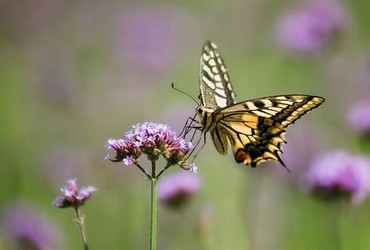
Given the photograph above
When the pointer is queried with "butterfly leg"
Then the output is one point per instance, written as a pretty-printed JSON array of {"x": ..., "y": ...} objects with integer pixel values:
[
  {"x": 188, "y": 126},
  {"x": 196, "y": 145}
]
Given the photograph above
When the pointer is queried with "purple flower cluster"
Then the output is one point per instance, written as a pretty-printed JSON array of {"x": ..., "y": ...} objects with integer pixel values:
[
  {"x": 359, "y": 117},
  {"x": 153, "y": 140},
  {"x": 25, "y": 227},
  {"x": 176, "y": 189},
  {"x": 339, "y": 175},
  {"x": 73, "y": 196},
  {"x": 147, "y": 37},
  {"x": 309, "y": 29}
]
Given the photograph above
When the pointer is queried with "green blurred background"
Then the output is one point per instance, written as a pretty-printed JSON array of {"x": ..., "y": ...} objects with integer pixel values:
[{"x": 74, "y": 74}]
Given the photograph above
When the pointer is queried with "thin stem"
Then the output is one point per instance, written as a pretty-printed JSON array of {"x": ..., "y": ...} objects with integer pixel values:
[
  {"x": 153, "y": 170},
  {"x": 143, "y": 170},
  {"x": 340, "y": 216},
  {"x": 164, "y": 169},
  {"x": 153, "y": 214},
  {"x": 81, "y": 226}
]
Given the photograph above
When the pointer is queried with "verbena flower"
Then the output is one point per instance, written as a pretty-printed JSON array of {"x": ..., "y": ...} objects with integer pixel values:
[
  {"x": 62, "y": 162},
  {"x": 24, "y": 227},
  {"x": 298, "y": 155},
  {"x": 153, "y": 140},
  {"x": 176, "y": 189},
  {"x": 34, "y": 19},
  {"x": 73, "y": 196},
  {"x": 358, "y": 117},
  {"x": 310, "y": 28},
  {"x": 193, "y": 168},
  {"x": 339, "y": 175},
  {"x": 147, "y": 37}
]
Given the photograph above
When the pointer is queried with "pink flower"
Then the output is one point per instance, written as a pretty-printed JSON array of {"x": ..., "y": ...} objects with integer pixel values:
[
  {"x": 25, "y": 227},
  {"x": 176, "y": 189},
  {"x": 358, "y": 117},
  {"x": 338, "y": 175},
  {"x": 153, "y": 140},
  {"x": 309, "y": 29},
  {"x": 73, "y": 197},
  {"x": 147, "y": 38}
]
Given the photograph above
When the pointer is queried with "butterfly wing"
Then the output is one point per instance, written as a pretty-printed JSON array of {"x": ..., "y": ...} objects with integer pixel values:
[
  {"x": 215, "y": 86},
  {"x": 255, "y": 129}
]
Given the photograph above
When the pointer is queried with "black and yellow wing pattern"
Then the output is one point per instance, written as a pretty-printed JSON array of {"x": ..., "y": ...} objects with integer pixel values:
[{"x": 255, "y": 128}]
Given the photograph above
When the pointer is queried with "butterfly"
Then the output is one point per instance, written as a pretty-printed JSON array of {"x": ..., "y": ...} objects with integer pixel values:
[{"x": 255, "y": 128}]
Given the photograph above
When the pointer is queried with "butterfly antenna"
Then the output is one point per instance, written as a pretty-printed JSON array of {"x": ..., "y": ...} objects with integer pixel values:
[{"x": 183, "y": 92}]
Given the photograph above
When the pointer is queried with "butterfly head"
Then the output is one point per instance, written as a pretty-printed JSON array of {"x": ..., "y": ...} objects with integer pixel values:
[
  {"x": 204, "y": 111},
  {"x": 201, "y": 113}
]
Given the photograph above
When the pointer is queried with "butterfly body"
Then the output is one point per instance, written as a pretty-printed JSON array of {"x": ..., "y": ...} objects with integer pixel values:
[{"x": 255, "y": 128}]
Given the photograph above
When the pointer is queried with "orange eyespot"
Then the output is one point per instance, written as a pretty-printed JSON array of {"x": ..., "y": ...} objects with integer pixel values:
[{"x": 242, "y": 156}]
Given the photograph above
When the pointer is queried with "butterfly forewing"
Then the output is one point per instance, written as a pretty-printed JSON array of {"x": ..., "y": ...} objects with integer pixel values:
[
  {"x": 215, "y": 86},
  {"x": 285, "y": 109},
  {"x": 255, "y": 129}
]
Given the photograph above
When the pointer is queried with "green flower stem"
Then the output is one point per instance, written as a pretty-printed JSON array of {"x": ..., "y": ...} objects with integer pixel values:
[
  {"x": 143, "y": 170},
  {"x": 153, "y": 215},
  {"x": 81, "y": 226},
  {"x": 164, "y": 169},
  {"x": 340, "y": 216}
]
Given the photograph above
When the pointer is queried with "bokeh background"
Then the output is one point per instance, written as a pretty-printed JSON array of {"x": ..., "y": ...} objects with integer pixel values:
[{"x": 74, "y": 74}]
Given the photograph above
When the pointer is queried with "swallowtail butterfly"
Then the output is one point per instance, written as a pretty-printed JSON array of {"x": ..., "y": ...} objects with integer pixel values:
[{"x": 255, "y": 128}]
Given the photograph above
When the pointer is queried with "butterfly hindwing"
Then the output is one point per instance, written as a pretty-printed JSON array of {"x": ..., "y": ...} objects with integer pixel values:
[{"x": 254, "y": 129}]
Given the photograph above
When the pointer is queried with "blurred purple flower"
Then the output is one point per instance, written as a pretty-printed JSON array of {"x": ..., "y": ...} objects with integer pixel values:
[
  {"x": 61, "y": 162},
  {"x": 147, "y": 37},
  {"x": 337, "y": 175},
  {"x": 176, "y": 189},
  {"x": 174, "y": 115},
  {"x": 309, "y": 29},
  {"x": 303, "y": 143},
  {"x": 26, "y": 228},
  {"x": 56, "y": 81},
  {"x": 358, "y": 117},
  {"x": 29, "y": 17},
  {"x": 152, "y": 139},
  {"x": 348, "y": 78},
  {"x": 73, "y": 196}
]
